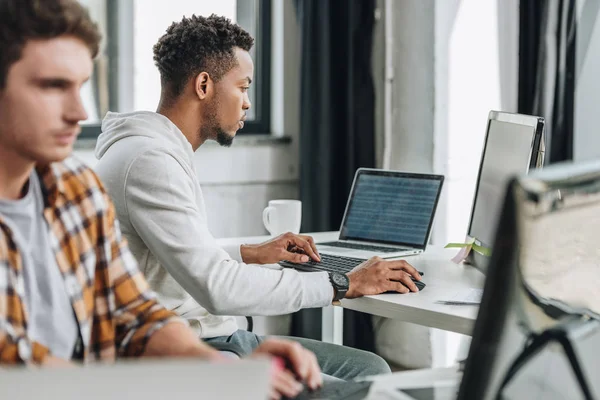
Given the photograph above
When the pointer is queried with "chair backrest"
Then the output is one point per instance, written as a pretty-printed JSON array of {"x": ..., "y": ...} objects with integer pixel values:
[
  {"x": 514, "y": 144},
  {"x": 544, "y": 270}
]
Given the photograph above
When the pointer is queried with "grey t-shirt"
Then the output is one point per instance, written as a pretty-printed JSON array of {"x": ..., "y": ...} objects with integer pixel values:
[{"x": 51, "y": 319}]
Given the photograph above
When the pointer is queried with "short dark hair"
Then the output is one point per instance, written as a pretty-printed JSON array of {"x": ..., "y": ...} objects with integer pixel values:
[
  {"x": 23, "y": 20},
  {"x": 198, "y": 44}
]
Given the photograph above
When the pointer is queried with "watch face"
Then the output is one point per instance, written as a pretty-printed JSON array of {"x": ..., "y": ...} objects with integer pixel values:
[{"x": 340, "y": 280}]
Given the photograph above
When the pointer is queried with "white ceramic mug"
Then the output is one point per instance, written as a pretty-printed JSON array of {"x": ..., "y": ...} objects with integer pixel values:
[{"x": 283, "y": 216}]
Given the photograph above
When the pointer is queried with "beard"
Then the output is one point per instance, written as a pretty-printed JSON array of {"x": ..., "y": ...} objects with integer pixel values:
[
  {"x": 212, "y": 130},
  {"x": 217, "y": 134},
  {"x": 223, "y": 138}
]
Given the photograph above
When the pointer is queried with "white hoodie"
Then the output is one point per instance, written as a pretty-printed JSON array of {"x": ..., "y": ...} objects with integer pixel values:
[{"x": 146, "y": 164}]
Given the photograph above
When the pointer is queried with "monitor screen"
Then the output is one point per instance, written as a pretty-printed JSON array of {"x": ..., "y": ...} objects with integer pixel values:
[
  {"x": 507, "y": 152},
  {"x": 391, "y": 207}
]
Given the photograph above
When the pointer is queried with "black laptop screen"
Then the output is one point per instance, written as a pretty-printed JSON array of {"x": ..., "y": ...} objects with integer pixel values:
[{"x": 393, "y": 208}]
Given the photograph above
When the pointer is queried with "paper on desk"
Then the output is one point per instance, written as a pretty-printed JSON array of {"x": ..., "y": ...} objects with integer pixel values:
[
  {"x": 467, "y": 297},
  {"x": 462, "y": 255}
]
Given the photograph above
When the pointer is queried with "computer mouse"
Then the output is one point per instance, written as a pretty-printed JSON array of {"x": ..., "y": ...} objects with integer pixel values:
[{"x": 420, "y": 285}]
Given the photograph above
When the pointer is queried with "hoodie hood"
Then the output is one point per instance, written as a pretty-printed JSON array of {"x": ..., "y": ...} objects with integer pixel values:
[{"x": 117, "y": 127}]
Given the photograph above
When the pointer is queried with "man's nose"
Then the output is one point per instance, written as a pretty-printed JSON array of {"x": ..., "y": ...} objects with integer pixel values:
[{"x": 75, "y": 111}]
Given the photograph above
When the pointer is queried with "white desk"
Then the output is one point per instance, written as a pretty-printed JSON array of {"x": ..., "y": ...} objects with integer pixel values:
[{"x": 443, "y": 278}]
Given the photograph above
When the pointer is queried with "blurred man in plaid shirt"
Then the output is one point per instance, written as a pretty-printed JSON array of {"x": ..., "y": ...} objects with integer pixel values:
[{"x": 70, "y": 290}]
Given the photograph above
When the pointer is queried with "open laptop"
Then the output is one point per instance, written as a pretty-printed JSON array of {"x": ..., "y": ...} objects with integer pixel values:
[
  {"x": 444, "y": 390},
  {"x": 388, "y": 214},
  {"x": 151, "y": 379}
]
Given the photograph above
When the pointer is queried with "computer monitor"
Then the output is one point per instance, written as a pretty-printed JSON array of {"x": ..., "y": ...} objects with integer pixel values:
[
  {"x": 514, "y": 143},
  {"x": 542, "y": 280}
]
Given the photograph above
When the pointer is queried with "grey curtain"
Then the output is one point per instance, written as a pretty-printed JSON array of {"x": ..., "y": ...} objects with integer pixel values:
[
  {"x": 547, "y": 42},
  {"x": 337, "y": 127}
]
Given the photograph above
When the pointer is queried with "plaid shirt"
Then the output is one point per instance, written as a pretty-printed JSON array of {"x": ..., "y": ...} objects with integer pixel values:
[{"x": 114, "y": 308}]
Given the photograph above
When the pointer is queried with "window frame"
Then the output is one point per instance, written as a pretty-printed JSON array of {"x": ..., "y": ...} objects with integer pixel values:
[
  {"x": 262, "y": 101},
  {"x": 91, "y": 131},
  {"x": 262, "y": 68}
]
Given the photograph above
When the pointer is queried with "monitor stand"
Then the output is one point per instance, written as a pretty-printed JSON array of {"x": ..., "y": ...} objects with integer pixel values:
[{"x": 565, "y": 334}]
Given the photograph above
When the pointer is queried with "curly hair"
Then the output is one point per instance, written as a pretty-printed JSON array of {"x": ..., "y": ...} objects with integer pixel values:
[
  {"x": 198, "y": 44},
  {"x": 23, "y": 20}
]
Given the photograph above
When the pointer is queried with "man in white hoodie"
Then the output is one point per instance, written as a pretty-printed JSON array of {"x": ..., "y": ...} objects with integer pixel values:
[{"x": 146, "y": 160}]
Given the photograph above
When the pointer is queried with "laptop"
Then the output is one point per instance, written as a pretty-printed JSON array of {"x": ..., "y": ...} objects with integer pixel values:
[
  {"x": 148, "y": 379},
  {"x": 388, "y": 214},
  {"x": 437, "y": 390}
]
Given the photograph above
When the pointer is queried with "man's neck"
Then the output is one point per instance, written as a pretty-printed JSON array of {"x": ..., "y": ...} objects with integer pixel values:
[
  {"x": 14, "y": 173},
  {"x": 186, "y": 120}
]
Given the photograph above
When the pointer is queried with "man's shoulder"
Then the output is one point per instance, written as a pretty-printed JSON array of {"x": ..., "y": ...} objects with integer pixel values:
[
  {"x": 70, "y": 165},
  {"x": 75, "y": 183},
  {"x": 160, "y": 162},
  {"x": 139, "y": 151},
  {"x": 74, "y": 174}
]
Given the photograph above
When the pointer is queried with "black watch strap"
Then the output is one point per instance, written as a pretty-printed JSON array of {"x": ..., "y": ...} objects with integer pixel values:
[{"x": 340, "y": 283}]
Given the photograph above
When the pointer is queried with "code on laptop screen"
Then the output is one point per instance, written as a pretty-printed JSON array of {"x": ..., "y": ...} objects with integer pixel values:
[{"x": 391, "y": 209}]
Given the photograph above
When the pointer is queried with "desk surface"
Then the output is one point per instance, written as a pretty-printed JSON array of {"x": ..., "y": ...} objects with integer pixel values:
[{"x": 443, "y": 278}]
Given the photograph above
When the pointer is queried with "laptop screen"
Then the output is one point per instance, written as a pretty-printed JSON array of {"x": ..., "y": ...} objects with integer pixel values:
[{"x": 391, "y": 207}]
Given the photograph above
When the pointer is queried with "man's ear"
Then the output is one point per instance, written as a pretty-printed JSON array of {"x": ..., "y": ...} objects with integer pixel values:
[{"x": 203, "y": 85}]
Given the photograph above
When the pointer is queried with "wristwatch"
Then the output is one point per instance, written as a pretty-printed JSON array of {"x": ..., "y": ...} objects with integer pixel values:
[{"x": 340, "y": 283}]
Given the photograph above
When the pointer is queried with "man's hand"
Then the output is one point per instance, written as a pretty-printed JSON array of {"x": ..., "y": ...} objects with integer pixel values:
[
  {"x": 377, "y": 275},
  {"x": 301, "y": 366},
  {"x": 288, "y": 247}
]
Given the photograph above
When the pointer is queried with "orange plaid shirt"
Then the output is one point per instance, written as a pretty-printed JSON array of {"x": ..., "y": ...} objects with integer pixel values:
[{"x": 115, "y": 310}]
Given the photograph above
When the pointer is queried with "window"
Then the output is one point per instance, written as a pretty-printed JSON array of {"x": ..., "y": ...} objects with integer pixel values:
[
  {"x": 94, "y": 93},
  {"x": 125, "y": 77}
]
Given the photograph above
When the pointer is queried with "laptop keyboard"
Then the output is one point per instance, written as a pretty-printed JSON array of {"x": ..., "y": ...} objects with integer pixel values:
[
  {"x": 337, "y": 390},
  {"x": 329, "y": 263},
  {"x": 367, "y": 247}
]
